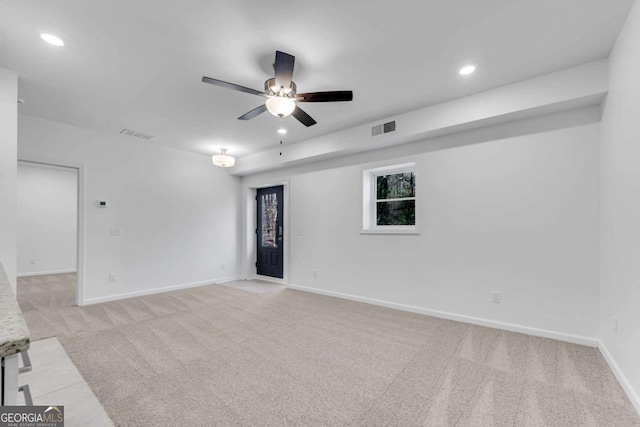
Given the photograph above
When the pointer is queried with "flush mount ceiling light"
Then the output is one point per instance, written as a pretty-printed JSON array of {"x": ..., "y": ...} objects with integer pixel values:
[
  {"x": 282, "y": 131},
  {"x": 467, "y": 69},
  {"x": 223, "y": 159},
  {"x": 52, "y": 40}
]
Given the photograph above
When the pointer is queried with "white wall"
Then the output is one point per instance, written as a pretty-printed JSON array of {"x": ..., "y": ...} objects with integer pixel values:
[
  {"x": 47, "y": 219},
  {"x": 620, "y": 207},
  {"x": 177, "y": 211},
  {"x": 8, "y": 141},
  {"x": 518, "y": 214}
]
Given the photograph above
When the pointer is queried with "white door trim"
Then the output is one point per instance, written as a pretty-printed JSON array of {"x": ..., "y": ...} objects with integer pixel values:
[{"x": 80, "y": 258}]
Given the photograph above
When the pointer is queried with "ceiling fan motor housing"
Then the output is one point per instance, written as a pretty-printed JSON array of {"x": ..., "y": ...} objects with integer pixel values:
[{"x": 272, "y": 89}]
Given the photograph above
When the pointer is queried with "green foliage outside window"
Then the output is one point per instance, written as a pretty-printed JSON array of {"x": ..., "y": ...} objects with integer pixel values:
[{"x": 395, "y": 199}]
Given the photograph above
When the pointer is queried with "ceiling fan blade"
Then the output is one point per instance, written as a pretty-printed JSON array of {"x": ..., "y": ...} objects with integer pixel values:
[
  {"x": 232, "y": 86},
  {"x": 303, "y": 117},
  {"x": 284, "y": 69},
  {"x": 253, "y": 113},
  {"x": 334, "y": 96}
]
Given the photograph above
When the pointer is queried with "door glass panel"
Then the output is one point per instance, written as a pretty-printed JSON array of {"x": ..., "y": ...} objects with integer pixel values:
[{"x": 269, "y": 220}]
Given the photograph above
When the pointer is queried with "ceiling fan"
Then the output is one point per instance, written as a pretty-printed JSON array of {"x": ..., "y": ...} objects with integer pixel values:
[{"x": 281, "y": 93}]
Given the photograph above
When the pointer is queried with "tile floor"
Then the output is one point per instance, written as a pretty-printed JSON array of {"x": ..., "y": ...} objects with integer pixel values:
[{"x": 55, "y": 380}]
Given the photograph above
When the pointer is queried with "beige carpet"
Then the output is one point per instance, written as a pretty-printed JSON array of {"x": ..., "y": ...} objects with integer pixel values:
[{"x": 218, "y": 355}]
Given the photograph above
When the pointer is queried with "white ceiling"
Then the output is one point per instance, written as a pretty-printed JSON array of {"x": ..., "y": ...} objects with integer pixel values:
[{"x": 138, "y": 64}]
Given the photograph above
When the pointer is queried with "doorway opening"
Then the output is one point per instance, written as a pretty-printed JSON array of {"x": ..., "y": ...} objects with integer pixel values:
[{"x": 48, "y": 235}]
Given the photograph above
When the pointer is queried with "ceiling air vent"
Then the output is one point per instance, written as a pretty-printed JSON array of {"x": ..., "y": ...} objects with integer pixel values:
[
  {"x": 135, "y": 134},
  {"x": 383, "y": 128}
]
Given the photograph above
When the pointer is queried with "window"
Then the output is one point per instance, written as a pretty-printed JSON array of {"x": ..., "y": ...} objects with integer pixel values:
[{"x": 389, "y": 199}]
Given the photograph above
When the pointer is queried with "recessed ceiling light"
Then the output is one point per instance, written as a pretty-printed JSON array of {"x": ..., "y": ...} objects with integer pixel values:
[
  {"x": 51, "y": 39},
  {"x": 282, "y": 131},
  {"x": 466, "y": 70}
]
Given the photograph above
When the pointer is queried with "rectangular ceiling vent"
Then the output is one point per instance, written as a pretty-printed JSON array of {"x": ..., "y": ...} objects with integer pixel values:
[
  {"x": 383, "y": 128},
  {"x": 135, "y": 134}
]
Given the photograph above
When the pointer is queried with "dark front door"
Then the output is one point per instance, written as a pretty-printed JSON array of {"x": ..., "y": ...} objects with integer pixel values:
[{"x": 269, "y": 221}]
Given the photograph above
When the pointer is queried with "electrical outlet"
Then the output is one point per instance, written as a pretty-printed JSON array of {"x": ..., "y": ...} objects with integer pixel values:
[
  {"x": 33, "y": 261},
  {"x": 222, "y": 266},
  {"x": 113, "y": 278},
  {"x": 616, "y": 324},
  {"x": 299, "y": 232},
  {"x": 314, "y": 272},
  {"x": 497, "y": 298},
  {"x": 115, "y": 231}
]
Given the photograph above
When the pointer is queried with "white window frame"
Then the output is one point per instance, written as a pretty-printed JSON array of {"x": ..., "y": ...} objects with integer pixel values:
[{"x": 369, "y": 198}]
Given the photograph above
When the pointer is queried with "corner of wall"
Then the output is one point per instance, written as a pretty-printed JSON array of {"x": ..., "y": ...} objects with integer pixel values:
[
  {"x": 633, "y": 396},
  {"x": 8, "y": 171},
  {"x": 619, "y": 208}
]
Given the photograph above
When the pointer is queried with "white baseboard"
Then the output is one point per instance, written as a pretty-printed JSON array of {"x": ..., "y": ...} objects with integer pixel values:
[
  {"x": 107, "y": 298},
  {"x": 561, "y": 336},
  {"x": 633, "y": 395},
  {"x": 45, "y": 273}
]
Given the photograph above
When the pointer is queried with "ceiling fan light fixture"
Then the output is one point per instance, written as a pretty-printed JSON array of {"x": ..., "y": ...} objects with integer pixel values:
[
  {"x": 223, "y": 159},
  {"x": 280, "y": 106},
  {"x": 282, "y": 93}
]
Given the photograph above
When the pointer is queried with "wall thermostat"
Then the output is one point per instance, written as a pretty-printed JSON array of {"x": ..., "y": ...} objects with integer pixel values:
[{"x": 102, "y": 204}]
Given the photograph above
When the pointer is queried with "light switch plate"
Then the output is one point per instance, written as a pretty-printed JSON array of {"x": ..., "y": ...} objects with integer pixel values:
[{"x": 497, "y": 297}]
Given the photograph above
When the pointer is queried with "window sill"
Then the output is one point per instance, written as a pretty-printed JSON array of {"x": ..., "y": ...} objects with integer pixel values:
[{"x": 414, "y": 232}]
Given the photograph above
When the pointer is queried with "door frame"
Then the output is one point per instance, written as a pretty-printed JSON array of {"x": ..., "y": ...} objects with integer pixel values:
[
  {"x": 80, "y": 222},
  {"x": 251, "y": 239}
]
